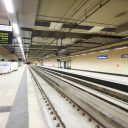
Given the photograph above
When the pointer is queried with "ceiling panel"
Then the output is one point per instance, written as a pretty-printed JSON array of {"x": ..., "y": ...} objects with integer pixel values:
[
  {"x": 101, "y": 40},
  {"x": 113, "y": 13},
  {"x": 3, "y": 15},
  {"x": 53, "y": 8},
  {"x": 40, "y": 40},
  {"x": 26, "y": 12}
]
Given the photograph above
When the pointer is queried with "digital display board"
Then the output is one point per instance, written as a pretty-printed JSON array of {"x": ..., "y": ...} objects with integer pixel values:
[
  {"x": 5, "y": 37},
  {"x": 5, "y": 27},
  {"x": 102, "y": 57}
]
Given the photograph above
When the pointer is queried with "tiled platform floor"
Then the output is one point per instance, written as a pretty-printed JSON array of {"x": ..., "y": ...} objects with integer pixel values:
[{"x": 19, "y": 106}]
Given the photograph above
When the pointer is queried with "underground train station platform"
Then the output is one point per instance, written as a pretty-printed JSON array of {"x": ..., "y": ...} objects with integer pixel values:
[
  {"x": 35, "y": 96},
  {"x": 63, "y": 63}
]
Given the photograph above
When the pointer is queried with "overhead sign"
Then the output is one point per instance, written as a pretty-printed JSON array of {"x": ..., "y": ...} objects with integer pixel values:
[
  {"x": 6, "y": 37},
  {"x": 124, "y": 56},
  {"x": 102, "y": 57},
  {"x": 5, "y": 28}
]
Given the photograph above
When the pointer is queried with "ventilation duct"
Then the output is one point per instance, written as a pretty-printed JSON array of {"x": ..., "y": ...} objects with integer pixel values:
[
  {"x": 63, "y": 52},
  {"x": 123, "y": 28}
]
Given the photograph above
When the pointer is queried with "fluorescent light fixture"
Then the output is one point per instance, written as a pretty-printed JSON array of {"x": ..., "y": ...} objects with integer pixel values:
[
  {"x": 55, "y": 26},
  {"x": 105, "y": 51},
  {"x": 120, "y": 48},
  {"x": 92, "y": 52},
  {"x": 9, "y": 6},
  {"x": 24, "y": 56},
  {"x": 15, "y": 28},
  {"x": 84, "y": 54},
  {"x": 21, "y": 46},
  {"x": 22, "y": 50},
  {"x": 125, "y": 37},
  {"x": 19, "y": 40},
  {"x": 96, "y": 29},
  {"x": 76, "y": 55}
]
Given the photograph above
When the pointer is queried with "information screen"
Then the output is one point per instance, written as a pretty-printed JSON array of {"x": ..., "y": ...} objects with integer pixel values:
[{"x": 5, "y": 37}]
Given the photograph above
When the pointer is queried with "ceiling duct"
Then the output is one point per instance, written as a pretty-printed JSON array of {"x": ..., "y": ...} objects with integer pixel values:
[
  {"x": 123, "y": 28},
  {"x": 80, "y": 41},
  {"x": 63, "y": 52},
  {"x": 49, "y": 56}
]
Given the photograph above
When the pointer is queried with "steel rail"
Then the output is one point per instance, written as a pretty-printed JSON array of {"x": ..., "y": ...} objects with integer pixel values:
[
  {"x": 48, "y": 103},
  {"x": 85, "y": 113}
]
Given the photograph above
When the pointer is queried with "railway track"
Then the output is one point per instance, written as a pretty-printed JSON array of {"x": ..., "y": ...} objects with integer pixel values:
[
  {"x": 73, "y": 104},
  {"x": 121, "y": 103},
  {"x": 75, "y": 95},
  {"x": 54, "y": 115},
  {"x": 100, "y": 88}
]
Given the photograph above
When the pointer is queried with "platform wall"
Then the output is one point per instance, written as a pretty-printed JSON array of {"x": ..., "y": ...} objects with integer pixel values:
[
  {"x": 50, "y": 63},
  {"x": 6, "y": 55},
  {"x": 114, "y": 63}
]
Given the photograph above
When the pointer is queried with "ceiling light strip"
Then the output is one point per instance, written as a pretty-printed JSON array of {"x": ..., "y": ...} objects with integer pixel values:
[
  {"x": 16, "y": 28},
  {"x": 120, "y": 48},
  {"x": 96, "y": 29},
  {"x": 9, "y": 6}
]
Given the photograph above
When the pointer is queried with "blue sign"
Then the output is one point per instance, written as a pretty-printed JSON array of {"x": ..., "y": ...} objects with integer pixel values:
[{"x": 102, "y": 57}]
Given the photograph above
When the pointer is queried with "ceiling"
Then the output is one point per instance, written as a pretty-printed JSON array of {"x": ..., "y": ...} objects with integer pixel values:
[
  {"x": 3, "y": 16},
  {"x": 75, "y": 20}
]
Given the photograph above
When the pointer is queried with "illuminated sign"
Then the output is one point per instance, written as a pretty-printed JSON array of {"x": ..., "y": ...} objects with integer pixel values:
[
  {"x": 5, "y": 37},
  {"x": 5, "y": 28},
  {"x": 124, "y": 56},
  {"x": 102, "y": 57}
]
